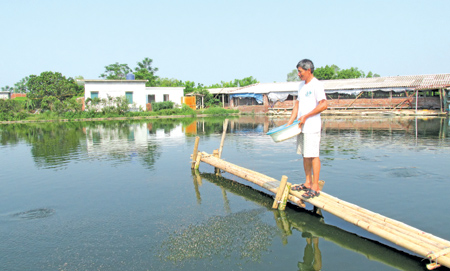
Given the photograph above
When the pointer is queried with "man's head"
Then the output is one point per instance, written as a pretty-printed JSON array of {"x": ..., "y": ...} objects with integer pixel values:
[{"x": 305, "y": 70}]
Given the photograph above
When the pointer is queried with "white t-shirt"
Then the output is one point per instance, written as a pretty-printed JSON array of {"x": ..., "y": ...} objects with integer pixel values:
[{"x": 309, "y": 96}]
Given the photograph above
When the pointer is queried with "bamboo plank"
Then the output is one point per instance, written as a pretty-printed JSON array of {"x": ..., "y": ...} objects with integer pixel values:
[{"x": 390, "y": 221}]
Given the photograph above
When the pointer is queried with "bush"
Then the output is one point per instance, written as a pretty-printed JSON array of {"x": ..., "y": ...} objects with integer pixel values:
[
  {"x": 10, "y": 106},
  {"x": 162, "y": 105}
]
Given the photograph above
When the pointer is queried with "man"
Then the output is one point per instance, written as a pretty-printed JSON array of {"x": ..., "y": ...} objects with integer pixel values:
[{"x": 310, "y": 103}]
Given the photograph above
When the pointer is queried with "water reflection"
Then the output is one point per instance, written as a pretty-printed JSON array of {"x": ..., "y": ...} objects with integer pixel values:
[
  {"x": 55, "y": 144},
  {"x": 311, "y": 225},
  {"x": 312, "y": 257}
]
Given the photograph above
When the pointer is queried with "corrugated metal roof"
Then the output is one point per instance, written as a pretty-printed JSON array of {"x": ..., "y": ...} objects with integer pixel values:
[
  {"x": 222, "y": 90},
  {"x": 431, "y": 81},
  {"x": 420, "y": 82}
]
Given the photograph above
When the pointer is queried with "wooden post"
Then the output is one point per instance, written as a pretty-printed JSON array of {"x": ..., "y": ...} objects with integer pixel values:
[
  {"x": 216, "y": 154},
  {"x": 197, "y": 161},
  {"x": 194, "y": 155},
  {"x": 284, "y": 197},
  {"x": 225, "y": 126},
  {"x": 280, "y": 191}
]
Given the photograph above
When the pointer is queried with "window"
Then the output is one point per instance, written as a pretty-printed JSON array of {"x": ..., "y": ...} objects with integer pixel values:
[
  {"x": 129, "y": 96},
  {"x": 151, "y": 98},
  {"x": 166, "y": 97},
  {"x": 94, "y": 94}
]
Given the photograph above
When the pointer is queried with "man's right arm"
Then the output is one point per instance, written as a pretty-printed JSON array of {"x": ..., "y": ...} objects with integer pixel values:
[{"x": 293, "y": 114}]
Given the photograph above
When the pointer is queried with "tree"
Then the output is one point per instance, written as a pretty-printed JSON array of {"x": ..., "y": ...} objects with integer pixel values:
[
  {"x": 169, "y": 82},
  {"x": 116, "y": 71},
  {"x": 236, "y": 83},
  {"x": 350, "y": 73},
  {"x": 8, "y": 89},
  {"x": 370, "y": 75},
  {"x": 327, "y": 72},
  {"x": 145, "y": 71},
  {"x": 50, "y": 84},
  {"x": 293, "y": 76},
  {"x": 21, "y": 86}
]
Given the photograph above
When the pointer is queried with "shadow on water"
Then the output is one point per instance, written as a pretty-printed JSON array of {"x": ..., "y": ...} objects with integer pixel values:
[{"x": 214, "y": 235}]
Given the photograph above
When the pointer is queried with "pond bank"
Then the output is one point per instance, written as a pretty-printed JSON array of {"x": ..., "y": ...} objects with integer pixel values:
[{"x": 328, "y": 112}]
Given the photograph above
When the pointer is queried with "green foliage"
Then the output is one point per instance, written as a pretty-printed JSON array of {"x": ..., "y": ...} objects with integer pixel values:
[
  {"x": 370, "y": 75},
  {"x": 49, "y": 84},
  {"x": 157, "y": 106},
  {"x": 186, "y": 110},
  {"x": 350, "y": 73},
  {"x": 293, "y": 76},
  {"x": 236, "y": 83},
  {"x": 215, "y": 110},
  {"x": 7, "y": 105},
  {"x": 21, "y": 86},
  {"x": 8, "y": 89},
  {"x": 11, "y": 110},
  {"x": 116, "y": 71},
  {"x": 334, "y": 72},
  {"x": 327, "y": 72},
  {"x": 166, "y": 82},
  {"x": 145, "y": 71}
]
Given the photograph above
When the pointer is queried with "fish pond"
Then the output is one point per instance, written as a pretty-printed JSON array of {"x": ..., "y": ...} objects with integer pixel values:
[{"x": 121, "y": 195}]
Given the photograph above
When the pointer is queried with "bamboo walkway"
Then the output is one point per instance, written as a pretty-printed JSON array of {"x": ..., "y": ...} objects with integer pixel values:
[{"x": 436, "y": 249}]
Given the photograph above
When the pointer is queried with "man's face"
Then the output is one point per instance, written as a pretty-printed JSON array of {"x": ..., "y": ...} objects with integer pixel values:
[{"x": 303, "y": 74}]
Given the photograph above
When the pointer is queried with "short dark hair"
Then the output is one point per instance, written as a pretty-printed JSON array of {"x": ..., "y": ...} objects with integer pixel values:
[{"x": 306, "y": 64}]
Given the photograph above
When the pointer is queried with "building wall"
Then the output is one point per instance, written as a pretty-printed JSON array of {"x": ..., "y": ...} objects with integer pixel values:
[
  {"x": 401, "y": 102},
  {"x": 15, "y": 95},
  {"x": 106, "y": 88},
  {"x": 175, "y": 94},
  {"x": 4, "y": 95},
  {"x": 117, "y": 88}
]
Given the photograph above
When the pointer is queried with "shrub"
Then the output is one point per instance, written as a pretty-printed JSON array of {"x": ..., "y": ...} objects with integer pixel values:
[{"x": 162, "y": 105}]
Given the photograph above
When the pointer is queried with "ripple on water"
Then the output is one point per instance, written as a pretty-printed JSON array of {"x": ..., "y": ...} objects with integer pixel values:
[
  {"x": 34, "y": 214},
  {"x": 404, "y": 172}
]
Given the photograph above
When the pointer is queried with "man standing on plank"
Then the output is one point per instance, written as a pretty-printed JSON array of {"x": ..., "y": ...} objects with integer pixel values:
[{"x": 311, "y": 101}]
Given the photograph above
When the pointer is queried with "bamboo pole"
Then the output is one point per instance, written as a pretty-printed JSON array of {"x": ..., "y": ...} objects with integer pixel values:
[
  {"x": 197, "y": 161},
  {"x": 194, "y": 154},
  {"x": 225, "y": 126},
  {"x": 284, "y": 197},
  {"x": 280, "y": 191},
  {"x": 390, "y": 221}
]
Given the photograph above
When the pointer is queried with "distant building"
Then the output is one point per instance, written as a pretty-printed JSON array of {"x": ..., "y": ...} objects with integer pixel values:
[
  {"x": 5, "y": 95},
  {"x": 397, "y": 92},
  {"x": 135, "y": 91}
]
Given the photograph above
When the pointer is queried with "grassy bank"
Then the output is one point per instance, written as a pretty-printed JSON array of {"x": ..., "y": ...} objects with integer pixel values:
[{"x": 49, "y": 116}]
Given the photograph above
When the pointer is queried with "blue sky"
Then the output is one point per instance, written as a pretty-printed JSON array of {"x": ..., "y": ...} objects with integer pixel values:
[{"x": 212, "y": 41}]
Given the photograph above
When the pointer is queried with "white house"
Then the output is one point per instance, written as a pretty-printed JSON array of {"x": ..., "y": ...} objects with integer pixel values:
[
  {"x": 5, "y": 94},
  {"x": 162, "y": 94},
  {"x": 134, "y": 90}
]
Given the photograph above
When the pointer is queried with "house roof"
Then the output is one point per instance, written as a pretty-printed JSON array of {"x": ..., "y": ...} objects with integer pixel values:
[
  {"x": 106, "y": 81},
  {"x": 416, "y": 82},
  {"x": 407, "y": 82},
  {"x": 222, "y": 90}
]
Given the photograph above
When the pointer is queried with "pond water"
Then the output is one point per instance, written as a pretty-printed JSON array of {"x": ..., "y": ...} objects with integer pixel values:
[{"x": 122, "y": 196}]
